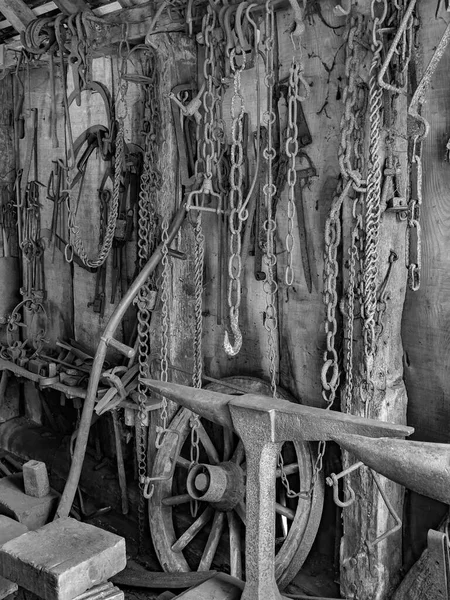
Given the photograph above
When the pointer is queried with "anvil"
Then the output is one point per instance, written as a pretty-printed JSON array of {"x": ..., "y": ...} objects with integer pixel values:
[{"x": 264, "y": 424}]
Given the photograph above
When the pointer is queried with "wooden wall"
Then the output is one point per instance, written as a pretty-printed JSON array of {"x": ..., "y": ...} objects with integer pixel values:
[{"x": 300, "y": 337}]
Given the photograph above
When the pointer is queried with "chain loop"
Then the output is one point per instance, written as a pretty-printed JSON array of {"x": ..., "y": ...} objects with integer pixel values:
[{"x": 236, "y": 198}]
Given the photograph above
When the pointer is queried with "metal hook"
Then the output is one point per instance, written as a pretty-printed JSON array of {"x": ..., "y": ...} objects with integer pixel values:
[
  {"x": 333, "y": 480},
  {"x": 343, "y": 9},
  {"x": 230, "y": 349}
]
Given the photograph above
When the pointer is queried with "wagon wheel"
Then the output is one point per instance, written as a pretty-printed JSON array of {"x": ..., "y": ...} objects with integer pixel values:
[{"x": 215, "y": 536}]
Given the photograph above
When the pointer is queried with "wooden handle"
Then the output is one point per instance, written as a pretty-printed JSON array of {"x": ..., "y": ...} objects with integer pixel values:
[{"x": 122, "y": 348}]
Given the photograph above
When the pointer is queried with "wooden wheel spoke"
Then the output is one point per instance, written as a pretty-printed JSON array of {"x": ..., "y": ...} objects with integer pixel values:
[
  {"x": 241, "y": 511},
  {"x": 175, "y": 500},
  {"x": 183, "y": 462},
  {"x": 227, "y": 443},
  {"x": 192, "y": 531},
  {"x": 213, "y": 541},
  {"x": 209, "y": 447},
  {"x": 288, "y": 469},
  {"x": 284, "y": 511},
  {"x": 235, "y": 545},
  {"x": 239, "y": 453}
]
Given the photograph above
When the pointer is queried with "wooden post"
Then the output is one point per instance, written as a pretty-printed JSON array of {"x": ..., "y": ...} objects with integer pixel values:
[{"x": 371, "y": 572}]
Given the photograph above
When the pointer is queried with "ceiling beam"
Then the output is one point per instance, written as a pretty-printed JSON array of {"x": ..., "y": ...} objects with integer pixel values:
[
  {"x": 17, "y": 13},
  {"x": 70, "y": 7}
]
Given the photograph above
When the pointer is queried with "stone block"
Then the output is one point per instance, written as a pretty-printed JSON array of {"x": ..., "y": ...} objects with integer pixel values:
[
  {"x": 9, "y": 529},
  {"x": 35, "y": 479},
  {"x": 62, "y": 559},
  {"x": 32, "y": 512}
]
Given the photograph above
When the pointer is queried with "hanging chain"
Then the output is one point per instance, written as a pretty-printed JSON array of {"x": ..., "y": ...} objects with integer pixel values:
[
  {"x": 149, "y": 185},
  {"x": 270, "y": 284},
  {"x": 414, "y": 232},
  {"x": 207, "y": 155},
  {"x": 352, "y": 164},
  {"x": 291, "y": 152},
  {"x": 164, "y": 355},
  {"x": 373, "y": 197},
  {"x": 198, "y": 358},
  {"x": 76, "y": 243},
  {"x": 236, "y": 197}
]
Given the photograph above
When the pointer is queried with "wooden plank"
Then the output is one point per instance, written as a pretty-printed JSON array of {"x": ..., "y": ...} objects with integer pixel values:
[
  {"x": 220, "y": 586},
  {"x": 374, "y": 570},
  {"x": 302, "y": 313},
  {"x": 70, "y": 7},
  {"x": 136, "y": 576},
  {"x": 18, "y": 13},
  {"x": 425, "y": 333}
]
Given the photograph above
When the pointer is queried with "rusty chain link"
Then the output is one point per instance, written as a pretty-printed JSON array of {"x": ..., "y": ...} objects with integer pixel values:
[
  {"x": 236, "y": 198},
  {"x": 414, "y": 233},
  {"x": 270, "y": 284},
  {"x": 373, "y": 196},
  {"x": 75, "y": 241},
  {"x": 149, "y": 185},
  {"x": 291, "y": 148}
]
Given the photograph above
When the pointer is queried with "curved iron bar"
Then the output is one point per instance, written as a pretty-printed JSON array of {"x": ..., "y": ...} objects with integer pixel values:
[{"x": 107, "y": 339}]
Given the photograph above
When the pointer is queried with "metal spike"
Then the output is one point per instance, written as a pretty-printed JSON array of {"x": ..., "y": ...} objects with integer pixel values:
[{"x": 423, "y": 467}]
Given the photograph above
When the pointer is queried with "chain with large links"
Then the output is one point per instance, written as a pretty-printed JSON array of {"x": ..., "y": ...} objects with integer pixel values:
[
  {"x": 75, "y": 241},
  {"x": 291, "y": 148},
  {"x": 414, "y": 232},
  {"x": 270, "y": 284},
  {"x": 208, "y": 151},
  {"x": 236, "y": 198},
  {"x": 373, "y": 198},
  {"x": 149, "y": 185}
]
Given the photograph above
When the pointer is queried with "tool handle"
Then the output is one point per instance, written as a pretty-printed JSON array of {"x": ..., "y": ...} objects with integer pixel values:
[{"x": 120, "y": 347}]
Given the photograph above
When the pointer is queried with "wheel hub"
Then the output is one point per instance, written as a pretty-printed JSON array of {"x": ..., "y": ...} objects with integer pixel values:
[{"x": 221, "y": 485}]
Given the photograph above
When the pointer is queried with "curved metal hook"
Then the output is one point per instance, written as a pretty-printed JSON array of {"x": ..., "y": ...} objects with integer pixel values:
[{"x": 230, "y": 349}]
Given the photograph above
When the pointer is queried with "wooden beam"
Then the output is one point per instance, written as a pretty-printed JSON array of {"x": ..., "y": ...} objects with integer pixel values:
[
  {"x": 70, "y": 7},
  {"x": 17, "y": 13}
]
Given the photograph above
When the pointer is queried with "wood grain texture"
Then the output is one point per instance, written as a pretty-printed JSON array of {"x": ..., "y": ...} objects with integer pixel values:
[
  {"x": 367, "y": 571},
  {"x": 70, "y": 7},
  {"x": 426, "y": 325},
  {"x": 63, "y": 559},
  {"x": 18, "y": 13},
  {"x": 302, "y": 314}
]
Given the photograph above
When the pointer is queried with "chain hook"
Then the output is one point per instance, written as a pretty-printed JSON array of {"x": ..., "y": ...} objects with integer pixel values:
[{"x": 233, "y": 349}]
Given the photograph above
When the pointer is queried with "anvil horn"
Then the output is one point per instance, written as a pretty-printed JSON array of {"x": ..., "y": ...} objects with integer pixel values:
[
  {"x": 211, "y": 405},
  {"x": 423, "y": 467},
  {"x": 285, "y": 420}
]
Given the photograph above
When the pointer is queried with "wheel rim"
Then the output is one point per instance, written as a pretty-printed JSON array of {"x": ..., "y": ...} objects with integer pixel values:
[{"x": 220, "y": 535}]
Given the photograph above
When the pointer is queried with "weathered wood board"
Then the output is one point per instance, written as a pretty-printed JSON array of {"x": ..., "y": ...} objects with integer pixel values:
[{"x": 425, "y": 327}]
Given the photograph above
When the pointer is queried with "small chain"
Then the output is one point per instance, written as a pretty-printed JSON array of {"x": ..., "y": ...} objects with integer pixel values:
[
  {"x": 270, "y": 284},
  {"x": 198, "y": 334},
  {"x": 76, "y": 242},
  {"x": 165, "y": 287},
  {"x": 149, "y": 185}
]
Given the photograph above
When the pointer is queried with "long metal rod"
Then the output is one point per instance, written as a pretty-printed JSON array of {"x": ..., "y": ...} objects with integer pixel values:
[{"x": 70, "y": 488}]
